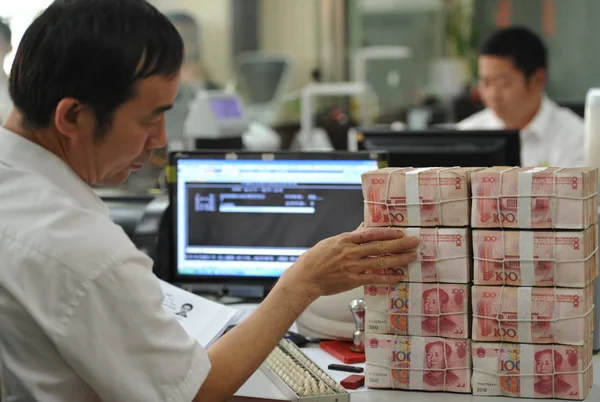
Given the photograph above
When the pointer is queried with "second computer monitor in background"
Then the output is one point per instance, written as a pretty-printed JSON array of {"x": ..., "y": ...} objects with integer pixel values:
[{"x": 444, "y": 147}]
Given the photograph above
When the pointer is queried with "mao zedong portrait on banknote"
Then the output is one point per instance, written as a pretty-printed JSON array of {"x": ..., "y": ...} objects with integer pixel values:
[
  {"x": 435, "y": 301},
  {"x": 436, "y": 355},
  {"x": 546, "y": 382}
]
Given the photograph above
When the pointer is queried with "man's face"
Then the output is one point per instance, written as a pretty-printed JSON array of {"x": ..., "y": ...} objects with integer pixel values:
[
  {"x": 430, "y": 304},
  {"x": 505, "y": 90},
  {"x": 186, "y": 308},
  {"x": 137, "y": 129},
  {"x": 435, "y": 358},
  {"x": 544, "y": 366}
]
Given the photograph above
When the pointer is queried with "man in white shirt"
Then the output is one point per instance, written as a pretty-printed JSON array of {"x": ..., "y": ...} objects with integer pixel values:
[
  {"x": 512, "y": 76},
  {"x": 5, "y": 49},
  {"x": 81, "y": 314}
]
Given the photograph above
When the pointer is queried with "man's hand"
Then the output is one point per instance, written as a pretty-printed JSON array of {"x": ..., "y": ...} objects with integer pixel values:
[
  {"x": 334, "y": 265},
  {"x": 345, "y": 261}
]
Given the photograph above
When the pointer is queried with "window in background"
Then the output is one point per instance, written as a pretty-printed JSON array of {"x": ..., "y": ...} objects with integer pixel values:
[{"x": 418, "y": 25}]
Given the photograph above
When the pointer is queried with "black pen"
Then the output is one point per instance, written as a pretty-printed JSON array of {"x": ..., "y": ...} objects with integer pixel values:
[{"x": 342, "y": 367}]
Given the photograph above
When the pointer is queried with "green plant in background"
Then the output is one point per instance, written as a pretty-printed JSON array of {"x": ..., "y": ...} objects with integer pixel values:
[{"x": 460, "y": 35}]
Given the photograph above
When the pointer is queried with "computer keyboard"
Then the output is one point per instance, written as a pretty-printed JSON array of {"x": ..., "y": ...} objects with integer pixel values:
[{"x": 299, "y": 378}]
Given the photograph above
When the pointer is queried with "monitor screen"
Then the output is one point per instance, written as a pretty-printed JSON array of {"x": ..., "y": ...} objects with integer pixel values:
[
  {"x": 444, "y": 147},
  {"x": 226, "y": 108},
  {"x": 252, "y": 218}
]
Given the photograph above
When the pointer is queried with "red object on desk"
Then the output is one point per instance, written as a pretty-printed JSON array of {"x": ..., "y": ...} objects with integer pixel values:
[
  {"x": 341, "y": 351},
  {"x": 354, "y": 381}
]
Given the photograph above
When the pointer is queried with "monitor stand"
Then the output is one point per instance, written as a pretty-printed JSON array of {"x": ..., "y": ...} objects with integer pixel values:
[{"x": 242, "y": 291}]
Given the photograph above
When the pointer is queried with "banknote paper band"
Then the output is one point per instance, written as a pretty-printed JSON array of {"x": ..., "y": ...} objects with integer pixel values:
[
  {"x": 524, "y": 314},
  {"x": 414, "y": 268},
  {"x": 417, "y": 357},
  {"x": 413, "y": 199},
  {"x": 415, "y": 295},
  {"x": 524, "y": 194},
  {"x": 526, "y": 263},
  {"x": 527, "y": 366}
]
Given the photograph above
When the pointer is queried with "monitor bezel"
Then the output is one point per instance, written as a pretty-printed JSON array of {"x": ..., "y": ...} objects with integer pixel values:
[
  {"x": 175, "y": 157},
  {"x": 511, "y": 135}
]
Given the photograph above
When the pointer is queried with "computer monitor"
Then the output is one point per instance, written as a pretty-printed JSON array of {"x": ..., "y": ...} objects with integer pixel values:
[
  {"x": 444, "y": 147},
  {"x": 242, "y": 218}
]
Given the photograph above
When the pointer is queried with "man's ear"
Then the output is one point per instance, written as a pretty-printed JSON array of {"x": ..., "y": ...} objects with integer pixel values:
[
  {"x": 539, "y": 79},
  {"x": 72, "y": 117}
]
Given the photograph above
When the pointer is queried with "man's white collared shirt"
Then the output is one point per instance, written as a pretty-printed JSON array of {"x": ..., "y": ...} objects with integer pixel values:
[
  {"x": 555, "y": 137},
  {"x": 81, "y": 314}
]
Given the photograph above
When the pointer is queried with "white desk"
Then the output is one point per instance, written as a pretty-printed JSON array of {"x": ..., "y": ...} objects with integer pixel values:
[{"x": 259, "y": 386}]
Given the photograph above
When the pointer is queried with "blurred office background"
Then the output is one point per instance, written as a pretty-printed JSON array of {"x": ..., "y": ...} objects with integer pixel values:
[{"x": 419, "y": 57}]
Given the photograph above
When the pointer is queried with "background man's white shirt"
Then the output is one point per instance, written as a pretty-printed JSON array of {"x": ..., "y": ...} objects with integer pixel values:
[{"x": 555, "y": 136}]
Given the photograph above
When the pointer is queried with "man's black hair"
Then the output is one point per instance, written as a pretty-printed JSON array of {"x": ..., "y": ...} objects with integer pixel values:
[
  {"x": 526, "y": 50},
  {"x": 94, "y": 51},
  {"x": 5, "y": 31}
]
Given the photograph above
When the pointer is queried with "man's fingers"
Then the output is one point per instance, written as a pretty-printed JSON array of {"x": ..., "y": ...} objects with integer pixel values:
[
  {"x": 389, "y": 246},
  {"x": 369, "y": 235},
  {"x": 378, "y": 279},
  {"x": 384, "y": 262}
]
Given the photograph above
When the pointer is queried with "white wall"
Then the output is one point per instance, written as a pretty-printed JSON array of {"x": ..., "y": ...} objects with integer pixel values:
[
  {"x": 214, "y": 17},
  {"x": 290, "y": 27}
]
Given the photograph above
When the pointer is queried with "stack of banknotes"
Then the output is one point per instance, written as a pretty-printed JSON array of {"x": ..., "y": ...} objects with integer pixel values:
[
  {"x": 425, "y": 317},
  {"x": 527, "y": 238},
  {"x": 535, "y": 254}
]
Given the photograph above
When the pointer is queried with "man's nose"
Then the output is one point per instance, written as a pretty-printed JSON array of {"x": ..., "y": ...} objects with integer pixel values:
[{"x": 159, "y": 139}]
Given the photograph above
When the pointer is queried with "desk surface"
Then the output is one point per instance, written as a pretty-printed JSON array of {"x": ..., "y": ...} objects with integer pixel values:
[{"x": 259, "y": 386}]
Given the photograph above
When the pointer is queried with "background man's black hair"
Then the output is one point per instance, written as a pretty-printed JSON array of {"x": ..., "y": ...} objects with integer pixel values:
[
  {"x": 526, "y": 49},
  {"x": 94, "y": 51}
]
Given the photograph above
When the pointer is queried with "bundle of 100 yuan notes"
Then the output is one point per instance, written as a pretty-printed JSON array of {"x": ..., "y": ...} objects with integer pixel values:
[
  {"x": 535, "y": 258},
  {"x": 534, "y": 198},
  {"x": 423, "y": 197},
  {"x": 532, "y": 371},
  {"x": 532, "y": 315},
  {"x": 443, "y": 255},
  {"x": 418, "y": 363},
  {"x": 421, "y": 309}
]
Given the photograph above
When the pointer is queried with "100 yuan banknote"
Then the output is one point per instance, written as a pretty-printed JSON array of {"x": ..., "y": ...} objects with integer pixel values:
[
  {"x": 418, "y": 363},
  {"x": 532, "y": 371}
]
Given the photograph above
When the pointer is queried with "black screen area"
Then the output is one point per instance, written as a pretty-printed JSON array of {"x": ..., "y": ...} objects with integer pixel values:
[{"x": 268, "y": 215}]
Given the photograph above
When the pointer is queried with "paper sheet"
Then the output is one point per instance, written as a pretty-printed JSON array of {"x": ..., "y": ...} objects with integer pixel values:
[{"x": 203, "y": 319}]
